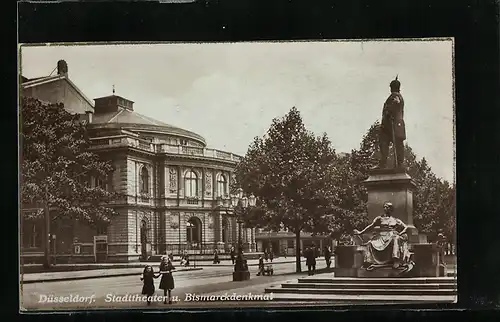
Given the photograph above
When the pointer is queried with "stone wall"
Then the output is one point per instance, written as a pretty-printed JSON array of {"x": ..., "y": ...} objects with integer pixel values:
[{"x": 60, "y": 92}]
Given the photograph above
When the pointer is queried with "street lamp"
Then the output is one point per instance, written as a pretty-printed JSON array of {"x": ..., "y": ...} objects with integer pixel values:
[{"x": 239, "y": 203}]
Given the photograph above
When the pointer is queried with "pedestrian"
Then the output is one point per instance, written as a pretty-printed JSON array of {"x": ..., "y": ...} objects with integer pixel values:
[
  {"x": 167, "y": 280},
  {"x": 261, "y": 265},
  {"x": 185, "y": 260},
  {"x": 271, "y": 255},
  {"x": 266, "y": 255},
  {"x": 148, "y": 287},
  {"x": 233, "y": 254},
  {"x": 216, "y": 257},
  {"x": 328, "y": 256},
  {"x": 311, "y": 260}
]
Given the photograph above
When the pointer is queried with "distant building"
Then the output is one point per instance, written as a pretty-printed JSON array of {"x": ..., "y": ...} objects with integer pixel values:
[
  {"x": 176, "y": 187},
  {"x": 283, "y": 242}
]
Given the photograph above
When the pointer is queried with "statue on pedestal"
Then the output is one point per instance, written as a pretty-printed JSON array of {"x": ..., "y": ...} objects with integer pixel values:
[
  {"x": 392, "y": 127},
  {"x": 388, "y": 246}
]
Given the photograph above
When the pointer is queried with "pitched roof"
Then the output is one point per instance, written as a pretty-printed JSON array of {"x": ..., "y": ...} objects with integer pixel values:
[
  {"x": 49, "y": 79},
  {"x": 129, "y": 119}
]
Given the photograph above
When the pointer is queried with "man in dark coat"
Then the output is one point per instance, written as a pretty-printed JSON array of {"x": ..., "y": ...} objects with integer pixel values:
[
  {"x": 328, "y": 256},
  {"x": 393, "y": 126},
  {"x": 261, "y": 265},
  {"x": 311, "y": 260}
]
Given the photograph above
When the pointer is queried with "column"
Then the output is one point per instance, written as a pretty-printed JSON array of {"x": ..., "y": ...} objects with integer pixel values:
[
  {"x": 253, "y": 240},
  {"x": 221, "y": 222}
]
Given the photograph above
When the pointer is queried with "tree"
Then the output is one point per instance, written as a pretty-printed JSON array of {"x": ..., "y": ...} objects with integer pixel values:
[
  {"x": 353, "y": 170},
  {"x": 293, "y": 174},
  {"x": 56, "y": 166},
  {"x": 433, "y": 198}
]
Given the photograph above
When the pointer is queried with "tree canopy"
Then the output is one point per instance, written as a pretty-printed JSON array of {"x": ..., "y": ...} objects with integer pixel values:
[
  {"x": 56, "y": 166},
  {"x": 293, "y": 174},
  {"x": 434, "y": 198},
  {"x": 304, "y": 185}
]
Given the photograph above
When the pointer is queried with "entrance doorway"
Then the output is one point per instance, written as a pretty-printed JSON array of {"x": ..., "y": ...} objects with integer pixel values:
[{"x": 194, "y": 232}]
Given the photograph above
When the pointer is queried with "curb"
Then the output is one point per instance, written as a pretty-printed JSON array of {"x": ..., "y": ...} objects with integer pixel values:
[
  {"x": 122, "y": 266},
  {"x": 60, "y": 279},
  {"x": 256, "y": 264}
]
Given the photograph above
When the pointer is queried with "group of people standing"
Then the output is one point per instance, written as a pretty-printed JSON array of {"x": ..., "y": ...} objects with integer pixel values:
[{"x": 166, "y": 282}]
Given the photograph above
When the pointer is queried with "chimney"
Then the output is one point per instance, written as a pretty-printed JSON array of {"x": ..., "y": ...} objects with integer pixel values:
[{"x": 62, "y": 68}]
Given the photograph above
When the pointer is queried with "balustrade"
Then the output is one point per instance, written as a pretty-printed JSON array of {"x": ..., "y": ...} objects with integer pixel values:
[{"x": 165, "y": 148}]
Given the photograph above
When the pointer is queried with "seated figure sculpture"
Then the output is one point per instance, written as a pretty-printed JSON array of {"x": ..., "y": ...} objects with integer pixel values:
[{"x": 388, "y": 246}]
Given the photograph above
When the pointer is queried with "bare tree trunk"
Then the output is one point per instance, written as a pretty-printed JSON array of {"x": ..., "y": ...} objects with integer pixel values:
[
  {"x": 298, "y": 266},
  {"x": 47, "y": 261}
]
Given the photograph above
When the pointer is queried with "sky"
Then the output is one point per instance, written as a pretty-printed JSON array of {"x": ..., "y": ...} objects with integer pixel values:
[{"x": 230, "y": 92}]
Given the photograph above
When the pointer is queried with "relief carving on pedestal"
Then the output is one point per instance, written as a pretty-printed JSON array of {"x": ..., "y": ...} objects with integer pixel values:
[{"x": 173, "y": 180}]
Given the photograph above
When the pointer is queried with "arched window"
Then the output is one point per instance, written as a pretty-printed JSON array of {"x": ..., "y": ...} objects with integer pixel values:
[
  {"x": 191, "y": 184},
  {"x": 144, "y": 180},
  {"x": 193, "y": 231},
  {"x": 221, "y": 186}
]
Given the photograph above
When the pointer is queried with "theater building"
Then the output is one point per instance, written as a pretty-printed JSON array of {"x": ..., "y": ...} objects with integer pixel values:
[{"x": 176, "y": 188}]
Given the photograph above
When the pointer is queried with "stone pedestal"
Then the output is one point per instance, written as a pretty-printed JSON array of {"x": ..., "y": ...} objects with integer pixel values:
[
  {"x": 397, "y": 187},
  {"x": 347, "y": 261},
  {"x": 241, "y": 276},
  {"x": 383, "y": 272},
  {"x": 427, "y": 260}
]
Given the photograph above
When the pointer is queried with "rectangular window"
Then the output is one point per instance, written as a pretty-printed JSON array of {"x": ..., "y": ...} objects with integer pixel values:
[
  {"x": 32, "y": 235},
  {"x": 102, "y": 230},
  {"x": 101, "y": 183}
]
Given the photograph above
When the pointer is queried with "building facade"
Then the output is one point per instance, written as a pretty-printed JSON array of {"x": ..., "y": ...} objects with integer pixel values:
[
  {"x": 283, "y": 243},
  {"x": 175, "y": 190}
]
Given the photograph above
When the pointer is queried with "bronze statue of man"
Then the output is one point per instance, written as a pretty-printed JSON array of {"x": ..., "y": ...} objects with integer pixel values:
[{"x": 393, "y": 126}]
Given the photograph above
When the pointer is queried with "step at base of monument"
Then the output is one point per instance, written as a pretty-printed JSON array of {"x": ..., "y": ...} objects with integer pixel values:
[
  {"x": 327, "y": 287},
  {"x": 331, "y": 279},
  {"x": 346, "y": 291},
  {"x": 403, "y": 286},
  {"x": 362, "y": 299}
]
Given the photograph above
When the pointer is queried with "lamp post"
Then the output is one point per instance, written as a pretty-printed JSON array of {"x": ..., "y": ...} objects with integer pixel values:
[{"x": 239, "y": 204}]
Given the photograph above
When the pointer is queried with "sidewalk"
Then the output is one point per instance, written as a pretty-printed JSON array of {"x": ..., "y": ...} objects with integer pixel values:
[
  {"x": 250, "y": 262},
  {"x": 65, "y": 272},
  {"x": 88, "y": 274},
  {"x": 37, "y": 269}
]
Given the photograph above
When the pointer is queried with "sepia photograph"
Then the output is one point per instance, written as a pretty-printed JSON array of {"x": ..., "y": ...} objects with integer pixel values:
[{"x": 163, "y": 176}]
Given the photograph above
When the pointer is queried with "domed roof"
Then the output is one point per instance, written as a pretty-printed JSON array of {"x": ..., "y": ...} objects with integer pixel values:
[{"x": 128, "y": 119}]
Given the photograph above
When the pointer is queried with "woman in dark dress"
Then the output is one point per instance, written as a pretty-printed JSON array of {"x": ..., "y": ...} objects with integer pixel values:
[
  {"x": 147, "y": 278},
  {"x": 167, "y": 281}
]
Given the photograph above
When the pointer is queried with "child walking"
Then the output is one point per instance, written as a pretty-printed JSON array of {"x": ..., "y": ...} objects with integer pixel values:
[
  {"x": 148, "y": 288},
  {"x": 167, "y": 281}
]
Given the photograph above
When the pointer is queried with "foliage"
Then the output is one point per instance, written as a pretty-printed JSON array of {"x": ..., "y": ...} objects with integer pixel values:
[
  {"x": 433, "y": 200},
  {"x": 56, "y": 165},
  {"x": 293, "y": 174},
  {"x": 304, "y": 186}
]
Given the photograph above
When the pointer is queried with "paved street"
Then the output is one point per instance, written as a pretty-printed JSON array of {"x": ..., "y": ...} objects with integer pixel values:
[{"x": 119, "y": 292}]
